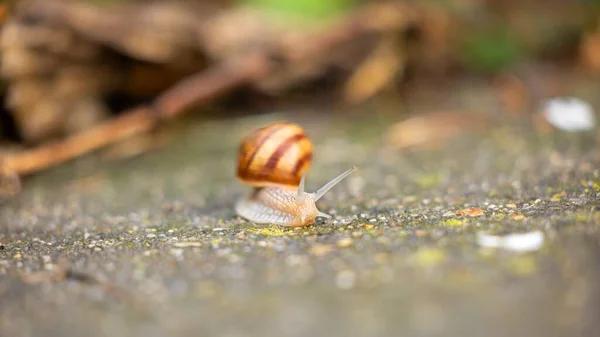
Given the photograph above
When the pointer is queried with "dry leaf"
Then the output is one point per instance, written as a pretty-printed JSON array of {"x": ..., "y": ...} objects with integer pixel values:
[
  {"x": 432, "y": 128},
  {"x": 375, "y": 73},
  {"x": 569, "y": 114},
  {"x": 589, "y": 51},
  {"x": 472, "y": 212}
]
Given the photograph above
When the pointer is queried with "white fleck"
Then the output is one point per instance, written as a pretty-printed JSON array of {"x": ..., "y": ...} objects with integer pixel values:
[
  {"x": 187, "y": 244},
  {"x": 448, "y": 214},
  {"x": 520, "y": 243},
  {"x": 297, "y": 260},
  {"x": 345, "y": 279},
  {"x": 569, "y": 114},
  {"x": 356, "y": 185},
  {"x": 177, "y": 252},
  {"x": 150, "y": 236}
]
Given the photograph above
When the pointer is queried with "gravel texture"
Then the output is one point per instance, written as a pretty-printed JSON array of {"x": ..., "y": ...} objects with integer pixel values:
[{"x": 150, "y": 246}]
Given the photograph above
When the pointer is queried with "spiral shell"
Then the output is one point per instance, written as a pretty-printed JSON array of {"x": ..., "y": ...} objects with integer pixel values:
[{"x": 274, "y": 155}]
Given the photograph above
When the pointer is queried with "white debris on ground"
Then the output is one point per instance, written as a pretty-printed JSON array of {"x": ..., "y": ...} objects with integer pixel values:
[
  {"x": 569, "y": 114},
  {"x": 520, "y": 243}
]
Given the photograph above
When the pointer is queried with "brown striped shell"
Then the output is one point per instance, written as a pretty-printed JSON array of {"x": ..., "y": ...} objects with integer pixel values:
[{"x": 274, "y": 155}]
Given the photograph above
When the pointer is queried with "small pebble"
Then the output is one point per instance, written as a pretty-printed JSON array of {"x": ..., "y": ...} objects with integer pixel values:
[
  {"x": 385, "y": 241},
  {"x": 421, "y": 233},
  {"x": 344, "y": 243},
  {"x": 321, "y": 250},
  {"x": 150, "y": 236}
]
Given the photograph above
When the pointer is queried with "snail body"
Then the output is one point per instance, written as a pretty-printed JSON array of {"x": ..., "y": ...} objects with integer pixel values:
[{"x": 273, "y": 160}]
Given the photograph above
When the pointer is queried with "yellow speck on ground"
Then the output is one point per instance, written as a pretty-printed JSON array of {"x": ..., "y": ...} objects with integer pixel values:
[
  {"x": 454, "y": 223},
  {"x": 344, "y": 243},
  {"x": 268, "y": 231},
  {"x": 429, "y": 256},
  {"x": 429, "y": 180},
  {"x": 523, "y": 265},
  {"x": 558, "y": 196}
]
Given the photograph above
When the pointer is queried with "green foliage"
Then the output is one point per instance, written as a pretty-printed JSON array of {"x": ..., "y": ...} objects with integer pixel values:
[
  {"x": 491, "y": 50},
  {"x": 304, "y": 9}
]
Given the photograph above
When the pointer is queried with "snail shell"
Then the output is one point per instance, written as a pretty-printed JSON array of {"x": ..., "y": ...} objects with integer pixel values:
[
  {"x": 273, "y": 159},
  {"x": 274, "y": 155}
]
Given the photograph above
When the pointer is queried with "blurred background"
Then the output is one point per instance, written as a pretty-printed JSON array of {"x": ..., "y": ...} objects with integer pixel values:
[
  {"x": 69, "y": 66},
  {"x": 474, "y": 211}
]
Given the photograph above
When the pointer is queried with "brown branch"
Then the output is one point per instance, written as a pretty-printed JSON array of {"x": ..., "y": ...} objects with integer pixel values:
[
  {"x": 210, "y": 84},
  {"x": 193, "y": 90},
  {"x": 128, "y": 124}
]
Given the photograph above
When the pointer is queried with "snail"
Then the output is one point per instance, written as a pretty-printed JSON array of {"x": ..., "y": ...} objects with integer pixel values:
[{"x": 272, "y": 159}]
